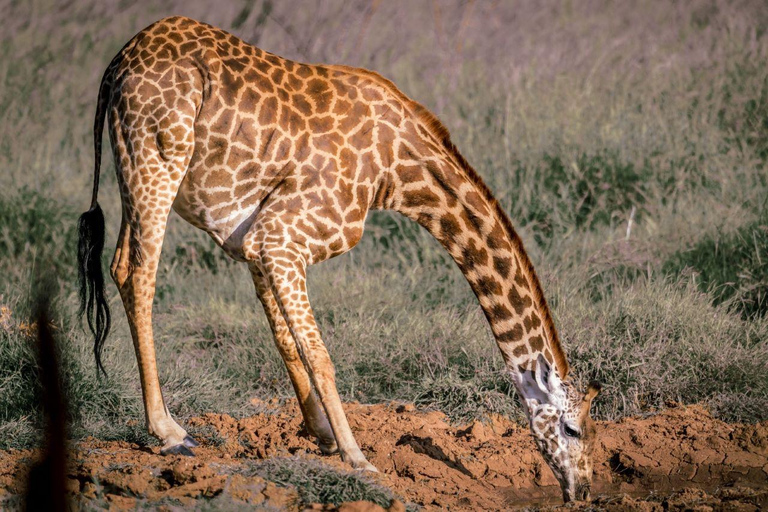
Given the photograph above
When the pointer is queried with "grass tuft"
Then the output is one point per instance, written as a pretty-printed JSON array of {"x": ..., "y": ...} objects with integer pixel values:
[
  {"x": 319, "y": 483},
  {"x": 661, "y": 341}
]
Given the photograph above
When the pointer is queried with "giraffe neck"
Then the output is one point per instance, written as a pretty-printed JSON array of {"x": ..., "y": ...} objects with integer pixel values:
[{"x": 444, "y": 194}]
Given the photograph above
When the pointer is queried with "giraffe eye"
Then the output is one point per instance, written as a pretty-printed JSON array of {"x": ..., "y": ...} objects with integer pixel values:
[{"x": 571, "y": 432}]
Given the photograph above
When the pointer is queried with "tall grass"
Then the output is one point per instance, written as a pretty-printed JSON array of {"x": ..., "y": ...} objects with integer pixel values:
[{"x": 628, "y": 143}]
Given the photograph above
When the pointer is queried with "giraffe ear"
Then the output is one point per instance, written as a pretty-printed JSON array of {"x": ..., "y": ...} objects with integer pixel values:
[{"x": 592, "y": 391}]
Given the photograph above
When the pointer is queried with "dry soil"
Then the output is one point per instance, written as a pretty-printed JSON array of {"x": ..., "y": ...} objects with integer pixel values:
[{"x": 679, "y": 459}]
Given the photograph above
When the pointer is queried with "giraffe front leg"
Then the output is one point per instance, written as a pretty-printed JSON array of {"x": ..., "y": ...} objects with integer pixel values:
[
  {"x": 314, "y": 417},
  {"x": 285, "y": 268}
]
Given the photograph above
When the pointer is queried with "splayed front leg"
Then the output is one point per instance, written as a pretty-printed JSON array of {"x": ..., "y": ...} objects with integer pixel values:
[
  {"x": 317, "y": 423},
  {"x": 286, "y": 275},
  {"x": 314, "y": 418}
]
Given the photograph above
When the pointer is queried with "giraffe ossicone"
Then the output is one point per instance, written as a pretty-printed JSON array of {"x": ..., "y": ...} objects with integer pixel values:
[{"x": 280, "y": 163}]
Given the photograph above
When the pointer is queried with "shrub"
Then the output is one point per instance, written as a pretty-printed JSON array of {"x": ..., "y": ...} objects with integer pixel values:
[{"x": 467, "y": 399}]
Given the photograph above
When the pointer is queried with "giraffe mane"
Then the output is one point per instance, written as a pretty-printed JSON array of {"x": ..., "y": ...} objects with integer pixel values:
[{"x": 431, "y": 122}]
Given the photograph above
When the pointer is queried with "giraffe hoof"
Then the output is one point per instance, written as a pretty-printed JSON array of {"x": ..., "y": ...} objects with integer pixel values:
[
  {"x": 190, "y": 442},
  {"x": 178, "y": 449},
  {"x": 364, "y": 465},
  {"x": 328, "y": 447}
]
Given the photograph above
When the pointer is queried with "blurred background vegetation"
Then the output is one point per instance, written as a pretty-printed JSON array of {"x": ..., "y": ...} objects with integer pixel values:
[{"x": 627, "y": 141}]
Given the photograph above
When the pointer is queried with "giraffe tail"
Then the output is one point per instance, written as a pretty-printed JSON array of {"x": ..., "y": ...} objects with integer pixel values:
[{"x": 93, "y": 303}]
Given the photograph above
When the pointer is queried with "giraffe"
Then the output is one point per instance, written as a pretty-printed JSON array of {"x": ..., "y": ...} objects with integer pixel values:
[{"x": 280, "y": 163}]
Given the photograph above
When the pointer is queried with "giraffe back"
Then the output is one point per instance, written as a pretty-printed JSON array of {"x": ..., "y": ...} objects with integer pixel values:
[{"x": 265, "y": 129}]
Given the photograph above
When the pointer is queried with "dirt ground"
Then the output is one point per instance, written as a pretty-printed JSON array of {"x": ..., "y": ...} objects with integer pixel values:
[{"x": 679, "y": 459}]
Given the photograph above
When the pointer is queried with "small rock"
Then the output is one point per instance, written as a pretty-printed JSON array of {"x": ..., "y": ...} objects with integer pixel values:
[
  {"x": 72, "y": 485},
  {"x": 89, "y": 490},
  {"x": 254, "y": 490},
  {"x": 121, "y": 502},
  {"x": 249, "y": 490}
]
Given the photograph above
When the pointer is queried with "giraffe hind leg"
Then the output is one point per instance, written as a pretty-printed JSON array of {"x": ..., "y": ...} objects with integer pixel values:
[
  {"x": 134, "y": 269},
  {"x": 127, "y": 255},
  {"x": 146, "y": 206}
]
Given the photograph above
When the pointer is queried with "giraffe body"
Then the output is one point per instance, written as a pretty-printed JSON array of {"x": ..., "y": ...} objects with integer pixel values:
[{"x": 280, "y": 163}]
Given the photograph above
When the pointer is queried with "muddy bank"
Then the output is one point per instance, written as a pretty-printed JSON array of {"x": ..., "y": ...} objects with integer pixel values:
[{"x": 679, "y": 458}]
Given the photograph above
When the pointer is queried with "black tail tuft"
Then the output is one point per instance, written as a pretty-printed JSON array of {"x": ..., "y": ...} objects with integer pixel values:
[{"x": 92, "y": 301}]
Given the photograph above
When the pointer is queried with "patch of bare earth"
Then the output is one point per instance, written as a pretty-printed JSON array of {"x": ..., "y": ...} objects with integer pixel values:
[{"x": 681, "y": 458}]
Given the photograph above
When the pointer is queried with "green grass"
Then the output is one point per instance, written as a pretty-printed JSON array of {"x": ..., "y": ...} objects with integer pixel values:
[
  {"x": 572, "y": 143},
  {"x": 732, "y": 266},
  {"x": 585, "y": 193}
]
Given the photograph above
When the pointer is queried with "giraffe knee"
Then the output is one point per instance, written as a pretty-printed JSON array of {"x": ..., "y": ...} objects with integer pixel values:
[{"x": 120, "y": 276}]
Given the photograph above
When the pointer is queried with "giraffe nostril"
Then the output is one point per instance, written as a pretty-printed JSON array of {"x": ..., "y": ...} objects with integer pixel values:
[{"x": 583, "y": 493}]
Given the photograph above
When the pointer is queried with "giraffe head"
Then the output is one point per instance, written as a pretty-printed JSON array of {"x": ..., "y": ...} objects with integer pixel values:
[{"x": 563, "y": 429}]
